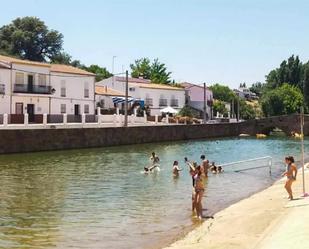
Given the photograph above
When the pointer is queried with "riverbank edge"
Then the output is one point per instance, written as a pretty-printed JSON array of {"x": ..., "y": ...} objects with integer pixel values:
[{"x": 243, "y": 224}]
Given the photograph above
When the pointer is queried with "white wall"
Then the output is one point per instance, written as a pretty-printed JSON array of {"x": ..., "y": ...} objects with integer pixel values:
[
  {"x": 5, "y": 79},
  {"x": 144, "y": 93},
  {"x": 74, "y": 85},
  {"x": 108, "y": 101},
  {"x": 41, "y": 104}
]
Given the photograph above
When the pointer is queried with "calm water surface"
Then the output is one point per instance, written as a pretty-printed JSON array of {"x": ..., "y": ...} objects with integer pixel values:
[{"x": 99, "y": 198}]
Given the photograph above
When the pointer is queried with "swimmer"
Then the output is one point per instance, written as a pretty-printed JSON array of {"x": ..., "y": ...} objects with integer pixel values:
[
  {"x": 154, "y": 158},
  {"x": 204, "y": 165},
  {"x": 213, "y": 168},
  {"x": 150, "y": 169},
  {"x": 176, "y": 168},
  {"x": 220, "y": 170}
]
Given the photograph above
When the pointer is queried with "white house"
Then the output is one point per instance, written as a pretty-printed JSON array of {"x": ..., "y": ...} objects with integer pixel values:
[
  {"x": 105, "y": 95},
  {"x": 37, "y": 88},
  {"x": 155, "y": 96},
  {"x": 195, "y": 97}
]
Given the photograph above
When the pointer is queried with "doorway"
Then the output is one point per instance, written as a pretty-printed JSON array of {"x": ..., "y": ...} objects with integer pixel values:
[
  {"x": 30, "y": 111},
  {"x": 30, "y": 83},
  {"x": 76, "y": 110}
]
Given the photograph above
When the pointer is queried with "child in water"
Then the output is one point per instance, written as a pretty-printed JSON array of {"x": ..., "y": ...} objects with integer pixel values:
[
  {"x": 176, "y": 168},
  {"x": 213, "y": 168}
]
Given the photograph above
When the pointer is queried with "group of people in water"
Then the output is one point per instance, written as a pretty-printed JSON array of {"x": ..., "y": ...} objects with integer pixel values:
[{"x": 198, "y": 172}]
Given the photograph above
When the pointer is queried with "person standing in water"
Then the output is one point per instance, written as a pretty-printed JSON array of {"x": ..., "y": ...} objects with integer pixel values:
[
  {"x": 176, "y": 168},
  {"x": 199, "y": 187},
  {"x": 204, "y": 165},
  {"x": 192, "y": 169},
  {"x": 290, "y": 173},
  {"x": 154, "y": 158}
]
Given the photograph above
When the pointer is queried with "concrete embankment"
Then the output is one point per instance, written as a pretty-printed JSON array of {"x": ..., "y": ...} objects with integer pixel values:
[
  {"x": 265, "y": 220},
  {"x": 31, "y": 140}
]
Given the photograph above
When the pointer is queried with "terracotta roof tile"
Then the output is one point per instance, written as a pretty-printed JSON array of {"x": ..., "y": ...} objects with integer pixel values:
[{"x": 103, "y": 90}]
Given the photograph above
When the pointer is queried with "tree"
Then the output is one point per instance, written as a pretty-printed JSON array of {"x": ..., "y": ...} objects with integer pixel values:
[
  {"x": 246, "y": 111},
  {"x": 155, "y": 71},
  {"x": 159, "y": 73},
  {"x": 219, "y": 107},
  {"x": 61, "y": 58},
  {"x": 29, "y": 38},
  {"x": 223, "y": 93},
  {"x": 290, "y": 72},
  {"x": 100, "y": 72},
  {"x": 306, "y": 84},
  {"x": 257, "y": 88},
  {"x": 141, "y": 68},
  {"x": 285, "y": 99}
]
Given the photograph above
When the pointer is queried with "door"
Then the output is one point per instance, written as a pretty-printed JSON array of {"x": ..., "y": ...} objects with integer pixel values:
[
  {"x": 30, "y": 83},
  {"x": 19, "y": 108},
  {"x": 30, "y": 111},
  {"x": 76, "y": 110}
]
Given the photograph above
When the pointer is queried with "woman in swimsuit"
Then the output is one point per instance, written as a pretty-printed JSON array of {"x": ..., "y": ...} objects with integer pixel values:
[
  {"x": 290, "y": 173},
  {"x": 199, "y": 187}
]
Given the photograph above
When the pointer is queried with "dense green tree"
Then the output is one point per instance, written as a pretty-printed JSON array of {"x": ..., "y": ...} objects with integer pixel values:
[
  {"x": 290, "y": 72},
  {"x": 306, "y": 85},
  {"x": 159, "y": 73},
  {"x": 223, "y": 93},
  {"x": 141, "y": 68},
  {"x": 61, "y": 58},
  {"x": 100, "y": 72},
  {"x": 219, "y": 107},
  {"x": 286, "y": 99},
  {"x": 29, "y": 38},
  {"x": 246, "y": 111},
  {"x": 155, "y": 71},
  {"x": 257, "y": 88}
]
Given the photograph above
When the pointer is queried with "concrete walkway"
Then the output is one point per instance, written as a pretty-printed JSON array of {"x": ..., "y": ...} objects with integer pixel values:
[{"x": 266, "y": 220}]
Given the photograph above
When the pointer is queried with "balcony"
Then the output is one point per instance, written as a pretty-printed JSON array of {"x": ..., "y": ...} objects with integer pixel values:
[
  {"x": 162, "y": 102},
  {"x": 149, "y": 102},
  {"x": 2, "y": 89},
  {"x": 174, "y": 102},
  {"x": 23, "y": 88}
]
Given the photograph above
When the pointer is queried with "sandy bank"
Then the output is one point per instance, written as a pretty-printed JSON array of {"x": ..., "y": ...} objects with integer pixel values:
[{"x": 259, "y": 221}]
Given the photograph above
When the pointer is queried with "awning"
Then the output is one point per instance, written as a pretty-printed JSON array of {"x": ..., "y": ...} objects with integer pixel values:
[
  {"x": 169, "y": 109},
  {"x": 119, "y": 100}
]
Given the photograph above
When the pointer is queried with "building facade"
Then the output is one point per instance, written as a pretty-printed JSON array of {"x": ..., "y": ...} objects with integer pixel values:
[
  {"x": 40, "y": 88},
  {"x": 154, "y": 96},
  {"x": 195, "y": 98}
]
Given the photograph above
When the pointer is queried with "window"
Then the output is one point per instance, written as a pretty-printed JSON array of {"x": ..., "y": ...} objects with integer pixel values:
[
  {"x": 42, "y": 80},
  {"x": 149, "y": 102},
  {"x": 86, "y": 90},
  {"x": 19, "y": 108},
  {"x": 2, "y": 89},
  {"x": 132, "y": 89},
  {"x": 19, "y": 78},
  {"x": 162, "y": 100},
  {"x": 63, "y": 108},
  {"x": 86, "y": 109},
  {"x": 63, "y": 88}
]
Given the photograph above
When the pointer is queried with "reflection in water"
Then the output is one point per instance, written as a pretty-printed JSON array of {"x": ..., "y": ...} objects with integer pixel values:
[{"x": 99, "y": 198}]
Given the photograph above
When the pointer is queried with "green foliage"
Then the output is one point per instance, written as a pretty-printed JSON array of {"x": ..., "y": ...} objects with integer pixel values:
[
  {"x": 100, "y": 72},
  {"x": 257, "y": 88},
  {"x": 306, "y": 85},
  {"x": 141, "y": 68},
  {"x": 61, "y": 58},
  {"x": 246, "y": 111},
  {"x": 285, "y": 99},
  {"x": 186, "y": 111},
  {"x": 155, "y": 71},
  {"x": 290, "y": 71},
  {"x": 29, "y": 38},
  {"x": 219, "y": 107},
  {"x": 223, "y": 93}
]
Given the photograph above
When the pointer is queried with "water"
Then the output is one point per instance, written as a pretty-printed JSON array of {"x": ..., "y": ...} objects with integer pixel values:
[{"x": 99, "y": 198}]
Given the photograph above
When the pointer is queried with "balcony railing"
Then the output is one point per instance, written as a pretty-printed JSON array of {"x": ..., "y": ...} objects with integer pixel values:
[
  {"x": 23, "y": 88},
  {"x": 2, "y": 89},
  {"x": 163, "y": 102},
  {"x": 149, "y": 102},
  {"x": 174, "y": 102}
]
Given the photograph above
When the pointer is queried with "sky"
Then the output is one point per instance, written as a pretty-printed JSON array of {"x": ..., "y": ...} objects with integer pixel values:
[{"x": 212, "y": 41}]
